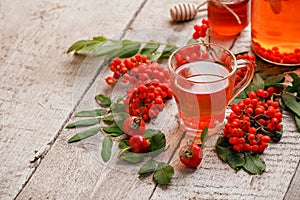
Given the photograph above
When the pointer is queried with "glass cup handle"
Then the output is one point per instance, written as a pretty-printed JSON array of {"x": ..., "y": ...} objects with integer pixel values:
[{"x": 247, "y": 78}]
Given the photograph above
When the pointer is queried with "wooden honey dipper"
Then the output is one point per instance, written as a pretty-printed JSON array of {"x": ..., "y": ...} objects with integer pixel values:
[
  {"x": 188, "y": 11},
  {"x": 185, "y": 11}
]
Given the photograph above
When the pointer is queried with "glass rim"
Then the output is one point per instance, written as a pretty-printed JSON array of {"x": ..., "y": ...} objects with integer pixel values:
[{"x": 234, "y": 66}]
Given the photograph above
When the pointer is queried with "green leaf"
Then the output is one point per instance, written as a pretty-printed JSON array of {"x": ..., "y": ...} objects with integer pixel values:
[
  {"x": 155, "y": 56},
  {"x": 279, "y": 85},
  {"x": 204, "y": 135},
  {"x": 89, "y": 48},
  {"x": 103, "y": 100},
  {"x": 150, "y": 48},
  {"x": 163, "y": 174},
  {"x": 192, "y": 41},
  {"x": 274, "y": 79},
  {"x": 108, "y": 119},
  {"x": 295, "y": 84},
  {"x": 84, "y": 123},
  {"x": 148, "y": 168},
  {"x": 157, "y": 143},
  {"x": 168, "y": 50},
  {"x": 107, "y": 49},
  {"x": 276, "y": 136},
  {"x": 222, "y": 148},
  {"x": 124, "y": 144},
  {"x": 84, "y": 134},
  {"x": 100, "y": 38},
  {"x": 106, "y": 148},
  {"x": 223, "y": 152},
  {"x": 294, "y": 76},
  {"x": 80, "y": 45},
  {"x": 120, "y": 117},
  {"x": 297, "y": 121},
  {"x": 254, "y": 164},
  {"x": 131, "y": 157},
  {"x": 151, "y": 132},
  {"x": 291, "y": 102},
  {"x": 129, "y": 49},
  {"x": 90, "y": 113},
  {"x": 235, "y": 160},
  {"x": 223, "y": 142},
  {"x": 257, "y": 82},
  {"x": 117, "y": 107},
  {"x": 113, "y": 130},
  {"x": 242, "y": 95}
]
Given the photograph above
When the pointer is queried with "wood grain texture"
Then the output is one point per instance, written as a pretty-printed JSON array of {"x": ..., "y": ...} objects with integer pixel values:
[
  {"x": 37, "y": 76},
  {"x": 293, "y": 191},
  {"x": 41, "y": 86}
]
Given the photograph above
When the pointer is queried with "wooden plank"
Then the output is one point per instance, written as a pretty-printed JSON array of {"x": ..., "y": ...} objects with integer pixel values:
[
  {"x": 37, "y": 76},
  {"x": 293, "y": 191}
]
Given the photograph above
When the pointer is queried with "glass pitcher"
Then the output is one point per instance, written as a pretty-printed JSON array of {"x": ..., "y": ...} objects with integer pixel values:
[{"x": 275, "y": 30}]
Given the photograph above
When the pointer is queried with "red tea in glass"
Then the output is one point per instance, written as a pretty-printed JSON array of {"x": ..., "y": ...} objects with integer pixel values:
[
  {"x": 202, "y": 105},
  {"x": 222, "y": 21},
  {"x": 275, "y": 30},
  {"x": 202, "y": 79}
]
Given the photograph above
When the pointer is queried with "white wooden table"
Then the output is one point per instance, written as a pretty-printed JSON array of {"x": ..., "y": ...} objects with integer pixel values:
[{"x": 39, "y": 94}]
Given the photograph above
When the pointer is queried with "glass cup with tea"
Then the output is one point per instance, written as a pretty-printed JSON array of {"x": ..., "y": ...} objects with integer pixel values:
[
  {"x": 203, "y": 81},
  {"x": 228, "y": 18}
]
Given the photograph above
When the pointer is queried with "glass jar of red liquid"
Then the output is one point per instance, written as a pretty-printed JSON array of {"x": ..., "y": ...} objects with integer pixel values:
[
  {"x": 228, "y": 18},
  {"x": 275, "y": 30}
]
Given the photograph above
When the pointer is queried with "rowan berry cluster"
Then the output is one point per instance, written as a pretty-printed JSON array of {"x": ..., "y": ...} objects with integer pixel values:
[
  {"x": 136, "y": 70},
  {"x": 201, "y": 30},
  {"x": 145, "y": 72},
  {"x": 241, "y": 72},
  {"x": 254, "y": 121},
  {"x": 147, "y": 99},
  {"x": 150, "y": 85},
  {"x": 120, "y": 67}
]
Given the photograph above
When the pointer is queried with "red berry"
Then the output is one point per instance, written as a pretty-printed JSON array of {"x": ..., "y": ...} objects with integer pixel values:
[
  {"x": 247, "y": 101},
  {"x": 252, "y": 95},
  {"x": 197, "y": 27},
  {"x": 247, "y": 147},
  {"x": 233, "y": 140},
  {"x": 138, "y": 144},
  {"x": 259, "y": 92},
  {"x": 110, "y": 80},
  {"x": 238, "y": 147},
  {"x": 191, "y": 155},
  {"x": 241, "y": 105},
  {"x": 274, "y": 121},
  {"x": 252, "y": 130},
  {"x": 265, "y": 139},
  {"x": 254, "y": 148},
  {"x": 134, "y": 126},
  {"x": 271, "y": 127},
  {"x": 249, "y": 110},
  {"x": 251, "y": 136},
  {"x": 259, "y": 110},
  {"x": 265, "y": 94},
  {"x": 142, "y": 88}
]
